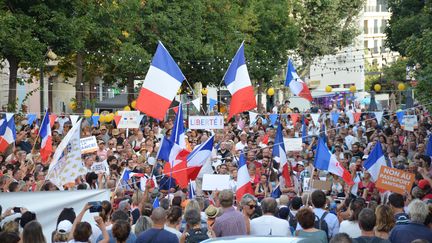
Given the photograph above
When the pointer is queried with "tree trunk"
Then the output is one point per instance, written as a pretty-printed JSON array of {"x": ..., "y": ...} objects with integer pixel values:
[
  {"x": 50, "y": 94},
  {"x": 13, "y": 70},
  {"x": 130, "y": 88},
  {"x": 79, "y": 80}
]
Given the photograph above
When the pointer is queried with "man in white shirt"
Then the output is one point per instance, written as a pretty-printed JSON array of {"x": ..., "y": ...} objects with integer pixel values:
[
  {"x": 243, "y": 141},
  {"x": 268, "y": 224}
]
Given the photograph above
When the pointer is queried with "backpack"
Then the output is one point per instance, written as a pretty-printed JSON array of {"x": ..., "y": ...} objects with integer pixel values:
[
  {"x": 321, "y": 224},
  {"x": 292, "y": 220},
  {"x": 196, "y": 235}
]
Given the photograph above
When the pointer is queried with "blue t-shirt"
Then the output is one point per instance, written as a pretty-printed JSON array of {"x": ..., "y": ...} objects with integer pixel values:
[
  {"x": 157, "y": 235},
  {"x": 131, "y": 238},
  {"x": 409, "y": 232}
]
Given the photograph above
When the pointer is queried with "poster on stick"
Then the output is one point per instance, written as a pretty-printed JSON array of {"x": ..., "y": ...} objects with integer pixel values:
[
  {"x": 293, "y": 144},
  {"x": 394, "y": 180},
  {"x": 88, "y": 145},
  {"x": 129, "y": 119},
  {"x": 409, "y": 122},
  {"x": 206, "y": 122}
]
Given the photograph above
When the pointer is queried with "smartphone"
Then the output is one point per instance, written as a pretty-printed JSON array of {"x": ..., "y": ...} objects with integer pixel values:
[
  {"x": 17, "y": 210},
  {"x": 95, "y": 207}
]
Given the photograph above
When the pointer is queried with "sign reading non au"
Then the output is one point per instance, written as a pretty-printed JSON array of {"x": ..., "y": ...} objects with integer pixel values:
[
  {"x": 206, "y": 122},
  {"x": 395, "y": 180},
  {"x": 88, "y": 145}
]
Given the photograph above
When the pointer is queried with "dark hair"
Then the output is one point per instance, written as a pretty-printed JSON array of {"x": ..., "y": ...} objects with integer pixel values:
[
  {"x": 306, "y": 218},
  {"x": 396, "y": 200},
  {"x": 119, "y": 215},
  {"x": 176, "y": 201},
  {"x": 32, "y": 233},
  {"x": 67, "y": 214},
  {"x": 9, "y": 237},
  {"x": 82, "y": 232},
  {"x": 367, "y": 219},
  {"x": 341, "y": 238},
  {"x": 121, "y": 230},
  {"x": 192, "y": 217},
  {"x": 164, "y": 203},
  {"x": 174, "y": 214},
  {"x": 318, "y": 199},
  {"x": 106, "y": 210},
  {"x": 356, "y": 207},
  {"x": 296, "y": 203},
  {"x": 26, "y": 218},
  {"x": 13, "y": 186}
]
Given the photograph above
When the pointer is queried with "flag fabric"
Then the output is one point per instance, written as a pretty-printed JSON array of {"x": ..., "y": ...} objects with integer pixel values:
[
  {"x": 323, "y": 132},
  {"x": 304, "y": 131},
  {"x": 52, "y": 119},
  {"x": 273, "y": 118},
  {"x": 315, "y": 118},
  {"x": 239, "y": 85},
  {"x": 95, "y": 120},
  {"x": 212, "y": 103},
  {"x": 67, "y": 165},
  {"x": 30, "y": 119},
  {"x": 161, "y": 84},
  {"x": 325, "y": 160},
  {"x": 335, "y": 117},
  {"x": 197, "y": 103},
  {"x": 191, "y": 190},
  {"x": 375, "y": 160},
  {"x": 156, "y": 203},
  {"x": 357, "y": 116},
  {"x": 252, "y": 117},
  {"x": 7, "y": 132},
  {"x": 379, "y": 116},
  {"x": 243, "y": 179},
  {"x": 45, "y": 134},
  {"x": 276, "y": 193},
  {"x": 429, "y": 146},
  {"x": 197, "y": 158},
  {"x": 74, "y": 119},
  {"x": 296, "y": 85},
  {"x": 400, "y": 115},
  {"x": 279, "y": 155},
  {"x": 178, "y": 135},
  {"x": 294, "y": 118}
]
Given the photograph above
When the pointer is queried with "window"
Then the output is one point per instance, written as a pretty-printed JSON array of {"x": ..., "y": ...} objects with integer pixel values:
[
  {"x": 376, "y": 26},
  {"x": 348, "y": 85},
  {"x": 376, "y": 47},
  {"x": 366, "y": 44},
  {"x": 335, "y": 86},
  {"x": 383, "y": 25},
  {"x": 365, "y": 27}
]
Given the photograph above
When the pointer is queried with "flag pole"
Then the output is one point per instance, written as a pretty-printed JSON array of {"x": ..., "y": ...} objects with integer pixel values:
[
  {"x": 118, "y": 182},
  {"x": 38, "y": 135}
]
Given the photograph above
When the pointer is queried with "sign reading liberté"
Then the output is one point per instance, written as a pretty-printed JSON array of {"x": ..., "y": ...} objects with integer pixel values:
[
  {"x": 206, "y": 122},
  {"x": 395, "y": 180}
]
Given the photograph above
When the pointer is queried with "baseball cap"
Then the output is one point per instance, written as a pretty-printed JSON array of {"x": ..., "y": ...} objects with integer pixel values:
[
  {"x": 423, "y": 183},
  {"x": 64, "y": 227}
]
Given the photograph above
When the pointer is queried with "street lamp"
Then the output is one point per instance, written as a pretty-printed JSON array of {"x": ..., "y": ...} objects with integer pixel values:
[{"x": 51, "y": 56}]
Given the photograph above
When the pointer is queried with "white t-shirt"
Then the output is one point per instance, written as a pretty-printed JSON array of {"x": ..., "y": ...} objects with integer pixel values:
[
  {"x": 174, "y": 231},
  {"x": 351, "y": 228},
  {"x": 240, "y": 146},
  {"x": 269, "y": 225}
]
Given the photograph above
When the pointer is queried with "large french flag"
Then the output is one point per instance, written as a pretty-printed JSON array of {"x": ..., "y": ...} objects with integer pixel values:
[
  {"x": 161, "y": 84},
  {"x": 239, "y": 85},
  {"x": 243, "y": 179},
  {"x": 7, "y": 132},
  {"x": 297, "y": 86},
  {"x": 375, "y": 160},
  {"x": 279, "y": 155},
  {"x": 429, "y": 147},
  {"x": 46, "y": 143},
  {"x": 174, "y": 151},
  {"x": 325, "y": 160},
  {"x": 198, "y": 157}
]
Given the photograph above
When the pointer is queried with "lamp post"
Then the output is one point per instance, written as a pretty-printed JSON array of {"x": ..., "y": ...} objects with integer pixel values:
[
  {"x": 204, "y": 93},
  {"x": 51, "y": 56}
]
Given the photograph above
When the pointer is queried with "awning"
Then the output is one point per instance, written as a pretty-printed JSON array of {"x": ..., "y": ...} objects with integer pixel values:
[{"x": 117, "y": 102}]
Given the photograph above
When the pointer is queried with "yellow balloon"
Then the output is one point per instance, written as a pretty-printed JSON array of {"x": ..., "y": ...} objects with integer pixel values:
[
  {"x": 133, "y": 104},
  {"x": 73, "y": 105},
  {"x": 127, "y": 108},
  {"x": 377, "y": 87},
  {"x": 87, "y": 113},
  {"x": 353, "y": 89},
  {"x": 109, "y": 117},
  {"x": 401, "y": 87},
  {"x": 270, "y": 91},
  {"x": 328, "y": 89}
]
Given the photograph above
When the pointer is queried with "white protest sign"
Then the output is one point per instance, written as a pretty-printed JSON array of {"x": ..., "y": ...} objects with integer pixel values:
[
  {"x": 100, "y": 167},
  {"x": 409, "y": 122},
  {"x": 206, "y": 122},
  {"x": 88, "y": 145},
  {"x": 129, "y": 119},
  {"x": 215, "y": 182},
  {"x": 306, "y": 184},
  {"x": 293, "y": 144}
]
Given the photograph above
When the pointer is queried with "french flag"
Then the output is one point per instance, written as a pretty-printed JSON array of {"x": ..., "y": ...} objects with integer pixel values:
[
  {"x": 197, "y": 158},
  {"x": 174, "y": 151},
  {"x": 46, "y": 143},
  {"x": 325, "y": 160},
  {"x": 161, "y": 84},
  {"x": 279, "y": 155},
  {"x": 375, "y": 160},
  {"x": 429, "y": 147},
  {"x": 129, "y": 174},
  {"x": 243, "y": 179},
  {"x": 239, "y": 85},
  {"x": 7, "y": 132},
  {"x": 297, "y": 86}
]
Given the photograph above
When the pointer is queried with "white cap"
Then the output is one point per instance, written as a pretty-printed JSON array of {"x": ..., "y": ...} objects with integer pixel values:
[{"x": 64, "y": 227}]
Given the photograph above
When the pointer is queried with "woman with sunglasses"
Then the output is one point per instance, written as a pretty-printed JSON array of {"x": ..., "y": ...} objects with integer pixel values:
[{"x": 248, "y": 205}]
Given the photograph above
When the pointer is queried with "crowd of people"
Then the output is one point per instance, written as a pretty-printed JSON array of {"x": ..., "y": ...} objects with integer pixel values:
[{"x": 344, "y": 213}]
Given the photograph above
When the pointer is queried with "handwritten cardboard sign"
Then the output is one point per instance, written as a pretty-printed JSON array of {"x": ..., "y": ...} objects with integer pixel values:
[
  {"x": 206, "y": 122},
  {"x": 394, "y": 180},
  {"x": 215, "y": 182},
  {"x": 88, "y": 145},
  {"x": 321, "y": 185}
]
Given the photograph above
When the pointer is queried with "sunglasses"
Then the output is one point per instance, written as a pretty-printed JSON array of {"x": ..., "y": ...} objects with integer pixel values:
[{"x": 252, "y": 206}]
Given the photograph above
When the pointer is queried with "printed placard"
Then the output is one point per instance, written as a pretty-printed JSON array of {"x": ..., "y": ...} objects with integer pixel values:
[
  {"x": 100, "y": 167},
  {"x": 394, "y": 180},
  {"x": 129, "y": 119},
  {"x": 215, "y": 182},
  {"x": 293, "y": 144},
  {"x": 88, "y": 145},
  {"x": 409, "y": 122},
  {"x": 206, "y": 122}
]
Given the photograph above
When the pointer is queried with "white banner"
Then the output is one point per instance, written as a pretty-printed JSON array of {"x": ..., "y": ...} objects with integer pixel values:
[
  {"x": 48, "y": 205},
  {"x": 379, "y": 116},
  {"x": 409, "y": 122},
  {"x": 315, "y": 118},
  {"x": 88, "y": 145},
  {"x": 129, "y": 119},
  {"x": 252, "y": 117},
  {"x": 206, "y": 122},
  {"x": 293, "y": 144},
  {"x": 74, "y": 119},
  {"x": 101, "y": 167},
  {"x": 216, "y": 182}
]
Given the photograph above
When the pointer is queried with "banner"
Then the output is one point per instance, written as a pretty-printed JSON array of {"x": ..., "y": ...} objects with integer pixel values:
[
  {"x": 409, "y": 122},
  {"x": 48, "y": 205},
  {"x": 394, "y": 180},
  {"x": 101, "y": 167},
  {"x": 88, "y": 145},
  {"x": 293, "y": 144},
  {"x": 206, "y": 122},
  {"x": 215, "y": 182},
  {"x": 129, "y": 119}
]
